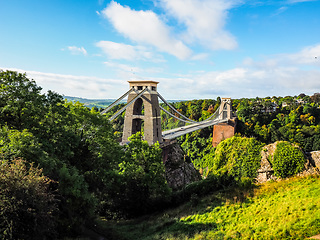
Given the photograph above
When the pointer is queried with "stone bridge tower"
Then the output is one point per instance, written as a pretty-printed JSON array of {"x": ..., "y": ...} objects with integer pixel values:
[
  {"x": 143, "y": 113},
  {"x": 225, "y": 130}
]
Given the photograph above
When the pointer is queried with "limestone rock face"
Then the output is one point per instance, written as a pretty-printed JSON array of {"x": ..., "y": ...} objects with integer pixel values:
[
  {"x": 315, "y": 158},
  {"x": 313, "y": 164},
  {"x": 265, "y": 172},
  {"x": 178, "y": 172}
]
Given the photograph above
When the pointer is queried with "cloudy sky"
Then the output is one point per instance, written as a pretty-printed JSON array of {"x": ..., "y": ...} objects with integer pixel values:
[{"x": 195, "y": 48}]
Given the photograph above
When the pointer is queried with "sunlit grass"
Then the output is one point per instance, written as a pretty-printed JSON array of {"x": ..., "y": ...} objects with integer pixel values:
[{"x": 288, "y": 209}]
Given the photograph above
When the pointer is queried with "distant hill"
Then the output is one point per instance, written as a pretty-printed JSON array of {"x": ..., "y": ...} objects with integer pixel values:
[{"x": 99, "y": 103}]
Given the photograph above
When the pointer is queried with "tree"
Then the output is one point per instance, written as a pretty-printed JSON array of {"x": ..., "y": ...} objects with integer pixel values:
[
  {"x": 73, "y": 144},
  {"x": 143, "y": 176},
  {"x": 20, "y": 101},
  {"x": 27, "y": 205}
]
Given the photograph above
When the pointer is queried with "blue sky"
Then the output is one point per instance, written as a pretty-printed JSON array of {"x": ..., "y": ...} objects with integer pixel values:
[{"x": 195, "y": 48}]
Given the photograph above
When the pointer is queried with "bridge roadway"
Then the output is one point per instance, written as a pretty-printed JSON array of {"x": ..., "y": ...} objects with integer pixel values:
[{"x": 177, "y": 132}]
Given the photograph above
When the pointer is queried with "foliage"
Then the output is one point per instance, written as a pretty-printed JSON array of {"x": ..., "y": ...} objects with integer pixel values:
[
  {"x": 143, "y": 176},
  {"x": 293, "y": 119},
  {"x": 23, "y": 144},
  {"x": 196, "y": 145},
  {"x": 73, "y": 144},
  {"x": 27, "y": 205},
  {"x": 20, "y": 100},
  {"x": 288, "y": 160},
  {"x": 238, "y": 157}
]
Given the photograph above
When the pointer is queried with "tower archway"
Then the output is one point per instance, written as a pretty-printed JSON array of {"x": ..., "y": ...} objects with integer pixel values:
[{"x": 138, "y": 107}]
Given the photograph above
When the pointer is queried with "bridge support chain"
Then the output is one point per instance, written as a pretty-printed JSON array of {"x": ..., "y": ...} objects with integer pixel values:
[{"x": 222, "y": 131}]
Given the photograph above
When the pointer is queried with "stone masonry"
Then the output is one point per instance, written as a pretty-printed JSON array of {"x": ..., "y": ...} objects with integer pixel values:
[{"x": 144, "y": 111}]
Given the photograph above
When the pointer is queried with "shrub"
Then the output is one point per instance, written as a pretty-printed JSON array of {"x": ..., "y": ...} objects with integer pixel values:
[
  {"x": 288, "y": 160},
  {"x": 27, "y": 205},
  {"x": 239, "y": 157}
]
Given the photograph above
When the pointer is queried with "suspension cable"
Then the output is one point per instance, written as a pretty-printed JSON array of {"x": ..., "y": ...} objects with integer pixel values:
[
  {"x": 163, "y": 109},
  {"x": 186, "y": 121},
  {"x": 128, "y": 104},
  {"x": 172, "y": 108},
  {"x": 116, "y": 102}
]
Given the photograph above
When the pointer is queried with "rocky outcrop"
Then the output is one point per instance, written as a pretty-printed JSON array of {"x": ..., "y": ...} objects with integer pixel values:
[
  {"x": 266, "y": 173},
  {"x": 310, "y": 167},
  {"x": 315, "y": 159},
  {"x": 178, "y": 172}
]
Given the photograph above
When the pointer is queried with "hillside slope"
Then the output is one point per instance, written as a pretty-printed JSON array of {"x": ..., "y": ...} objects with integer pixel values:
[
  {"x": 90, "y": 103},
  {"x": 289, "y": 209}
]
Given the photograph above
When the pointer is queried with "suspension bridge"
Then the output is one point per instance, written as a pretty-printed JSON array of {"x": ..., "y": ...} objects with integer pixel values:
[{"x": 143, "y": 108}]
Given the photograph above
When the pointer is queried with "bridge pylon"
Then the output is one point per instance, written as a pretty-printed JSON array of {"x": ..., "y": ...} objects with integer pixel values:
[
  {"x": 226, "y": 129},
  {"x": 143, "y": 112},
  {"x": 225, "y": 111}
]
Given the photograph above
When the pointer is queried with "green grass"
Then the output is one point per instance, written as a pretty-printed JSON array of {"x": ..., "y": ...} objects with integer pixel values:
[{"x": 289, "y": 209}]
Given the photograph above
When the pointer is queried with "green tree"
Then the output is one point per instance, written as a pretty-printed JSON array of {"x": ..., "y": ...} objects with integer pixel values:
[
  {"x": 20, "y": 101},
  {"x": 27, "y": 205},
  {"x": 143, "y": 176},
  {"x": 73, "y": 144}
]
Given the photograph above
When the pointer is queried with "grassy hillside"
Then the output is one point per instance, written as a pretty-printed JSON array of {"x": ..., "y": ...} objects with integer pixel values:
[{"x": 289, "y": 209}]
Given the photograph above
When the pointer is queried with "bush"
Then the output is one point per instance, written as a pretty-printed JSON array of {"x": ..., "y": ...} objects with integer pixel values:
[
  {"x": 239, "y": 157},
  {"x": 288, "y": 160},
  {"x": 27, "y": 205}
]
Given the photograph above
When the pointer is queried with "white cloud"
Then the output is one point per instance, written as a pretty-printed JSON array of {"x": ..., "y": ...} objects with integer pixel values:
[
  {"x": 124, "y": 51},
  {"x": 78, "y": 86},
  {"x": 145, "y": 27},
  {"x": 204, "y": 21},
  {"x": 280, "y": 10},
  {"x": 279, "y": 75},
  {"x": 276, "y": 75},
  {"x": 308, "y": 56},
  {"x": 77, "y": 50},
  {"x": 241, "y": 82}
]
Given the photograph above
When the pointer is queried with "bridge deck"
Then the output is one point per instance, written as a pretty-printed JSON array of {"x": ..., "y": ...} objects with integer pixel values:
[{"x": 177, "y": 132}]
